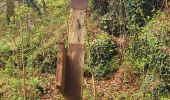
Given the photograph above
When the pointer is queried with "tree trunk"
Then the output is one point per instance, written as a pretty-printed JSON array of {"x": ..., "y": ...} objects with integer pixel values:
[{"x": 75, "y": 58}]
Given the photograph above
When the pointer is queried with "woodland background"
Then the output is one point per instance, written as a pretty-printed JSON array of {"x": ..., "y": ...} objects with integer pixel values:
[{"x": 127, "y": 49}]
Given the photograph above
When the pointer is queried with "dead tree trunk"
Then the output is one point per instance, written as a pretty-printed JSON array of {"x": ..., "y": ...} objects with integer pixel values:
[
  {"x": 69, "y": 80},
  {"x": 75, "y": 52},
  {"x": 75, "y": 58}
]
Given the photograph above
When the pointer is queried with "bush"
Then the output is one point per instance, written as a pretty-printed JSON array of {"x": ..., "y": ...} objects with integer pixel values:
[
  {"x": 147, "y": 50},
  {"x": 103, "y": 52}
]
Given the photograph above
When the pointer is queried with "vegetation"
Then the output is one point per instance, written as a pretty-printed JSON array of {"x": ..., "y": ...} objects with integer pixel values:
[{"x": 127, "y": 49}]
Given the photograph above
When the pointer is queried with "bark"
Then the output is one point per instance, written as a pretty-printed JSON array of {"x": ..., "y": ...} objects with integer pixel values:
[{"x": 75, "y": 56}]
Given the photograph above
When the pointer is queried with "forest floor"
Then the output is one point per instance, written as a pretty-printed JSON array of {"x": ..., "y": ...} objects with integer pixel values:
[{"x": 122, "y": 81}]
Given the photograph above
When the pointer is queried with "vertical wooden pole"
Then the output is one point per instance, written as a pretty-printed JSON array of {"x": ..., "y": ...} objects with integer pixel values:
[
  {"x": 61, "y": 65},
  {"x": 75, "y": 54}
]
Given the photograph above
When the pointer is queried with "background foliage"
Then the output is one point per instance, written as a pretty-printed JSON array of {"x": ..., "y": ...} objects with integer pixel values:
[{"x": 141, "y": 70}]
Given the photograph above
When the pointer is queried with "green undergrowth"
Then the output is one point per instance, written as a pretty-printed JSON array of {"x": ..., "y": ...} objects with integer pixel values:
[
  {"x": 149, "y": 58},
  {"x": 103, "y": 57},
  {"x": 147, "y": 53}
]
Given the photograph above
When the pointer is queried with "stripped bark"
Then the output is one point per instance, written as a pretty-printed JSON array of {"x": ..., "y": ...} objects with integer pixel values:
[{"x": 75, "y": 56}]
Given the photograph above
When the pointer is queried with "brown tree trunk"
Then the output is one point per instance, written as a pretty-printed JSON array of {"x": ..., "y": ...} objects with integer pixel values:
[{"x": 75, "y": 56}]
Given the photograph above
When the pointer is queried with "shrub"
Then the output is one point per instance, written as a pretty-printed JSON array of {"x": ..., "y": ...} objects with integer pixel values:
[
  {"x": 103, "y": 52},
  {"x": 147, "y": 50}
]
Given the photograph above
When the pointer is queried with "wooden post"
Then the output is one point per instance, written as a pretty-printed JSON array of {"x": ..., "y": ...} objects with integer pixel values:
[
  {"x": 75, "y": 54},
  {"x": 61, "y": 65}
]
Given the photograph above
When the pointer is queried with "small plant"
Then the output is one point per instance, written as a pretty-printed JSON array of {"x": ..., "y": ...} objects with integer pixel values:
[
  {"x": 16, "y": 89},
  {"x": 33, "y": 83}
]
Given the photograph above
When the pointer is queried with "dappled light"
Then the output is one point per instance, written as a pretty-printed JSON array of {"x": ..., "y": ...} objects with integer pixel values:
[{"x": 84, "y": 49}]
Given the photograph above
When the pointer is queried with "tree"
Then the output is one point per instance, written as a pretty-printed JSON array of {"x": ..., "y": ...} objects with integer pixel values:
[
  {"x": 9, "y": 10},
  {"x": 33, "y": 4},
  {"x": 10, "y": 5}
]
